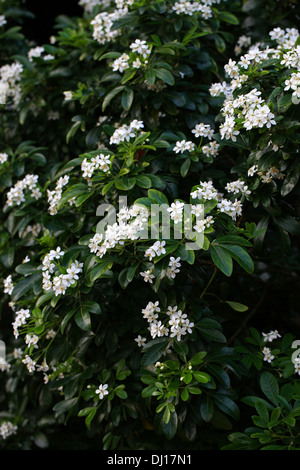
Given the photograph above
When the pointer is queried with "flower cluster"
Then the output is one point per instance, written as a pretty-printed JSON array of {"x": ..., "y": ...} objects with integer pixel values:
[
  {"x": 54, "y": 196},
  {"x": 190, "y": 8},
  {"x": 237, "y": 187},
  {"x": 203, "y": 130},
  {"x": 268, "y": 357},
  {"x": 184, "y": 146},
  {"x": 172, "y": 270},
  {"x": 202, "y": 224},
  {"x": 157, "y": 249},
  {"x": 3, "y": 158},
  {"x": 3, "y": 20},
  {"x": 125, "y": 132},
  {"x": 102, "y": 23},
  {"x": 206, "y": 192},
  {"x": 4, "y": 365},
  {"x": 200, "y": 130},
  {"x": 293, "y": 83},
  {"x": 16, "y": 194},
  {"x": 250, "y": 110},
  {"x": 30, "y": 363},
  {"x": 36, "y": 52},
  {"x": 59, "y": 282},
  {"x": 99, "y": 162},
  {"x": 174, "y": 264},
  {"x": 175, "y": 324},
  {"x": 7, "y": 429},
  {"x": 130, "y": 222},
  {"x": 211, "y": 149},
  {"x": 10, "y": 75},
  {"x": 269, "y": 337},
  {"x": 137, "y": 59},
  {"x": 8, "y": 285},
  {"x": 266, "y": 176},
  {"x": 20, "y": 319},
  {"x": 88, "y": 5},
  {"x": 176, "y": 211},
  {"x": 243, "y": 41}
]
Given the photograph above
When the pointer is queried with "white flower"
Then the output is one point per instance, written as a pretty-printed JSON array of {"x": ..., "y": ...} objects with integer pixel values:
[
  {"x": 140, "y": 341},
  {"x": 2, "y": 20},
  {"x": 297, "y": 368},
  {"x": 268, "y": 357},
  {"x": 252, "y": 170},
  {"x": 68, "y": 95},
  {"x": 8, "y": 285},
  {"x": 176, "y": 211},
  {"x": 31, "y": 340},
  {"x": 3, "y": 157},
  {"x": 4, "y": 365},
  {"x": 102, "y": 391},
  {"x": 35, "y": 52},
  {"x": 148, "y": 276},
  {"x": 30, "y": 363}
]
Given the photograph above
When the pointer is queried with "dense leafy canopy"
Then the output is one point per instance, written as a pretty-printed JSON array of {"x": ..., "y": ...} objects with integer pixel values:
[{"x": 113, "y": 340}]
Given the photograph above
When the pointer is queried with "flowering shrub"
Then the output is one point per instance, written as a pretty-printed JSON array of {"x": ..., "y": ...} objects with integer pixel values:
[{"x": 149, "y": 181}]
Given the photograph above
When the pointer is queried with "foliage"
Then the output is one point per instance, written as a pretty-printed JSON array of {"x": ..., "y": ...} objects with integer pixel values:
[{"x": 120, "y": 332}]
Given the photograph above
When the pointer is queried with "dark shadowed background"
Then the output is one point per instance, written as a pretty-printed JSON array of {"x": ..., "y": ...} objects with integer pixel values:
[{"x": 40, "y": 28}]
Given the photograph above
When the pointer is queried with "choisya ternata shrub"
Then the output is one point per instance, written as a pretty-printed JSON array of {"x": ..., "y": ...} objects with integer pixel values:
[{"x": 118, "y": 324}]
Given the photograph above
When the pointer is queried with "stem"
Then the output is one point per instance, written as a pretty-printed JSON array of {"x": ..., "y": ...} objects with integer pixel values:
[{"x": 209, "y": 282}]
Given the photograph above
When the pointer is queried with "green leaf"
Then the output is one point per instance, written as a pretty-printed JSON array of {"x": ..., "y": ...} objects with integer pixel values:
[
  {"x": 227, "y": 405},
  {"x": 228, "y": 17},
  {"x": 111, "y": 95},
  {"x": 207, "y": 408},
  {"x": 221, "y": 259},
  {"x": 25, "y": 285},
  {"x": 195, "y": 390},
  {"x": 100, "y": 269},
  {"x": 290, "y": 181},
  {"x": 201, "y": 377},
  {"x": 241, "y": 256},
  {"x": 150, "y": 76},
  {"x": 66, "y": 319},
  {"x": 147, "y": 392},
  {"x": 288, "y": 223},
  {"x": 184, "y": 169},
  {"x": 157, "y": 197},
  {"x": 170, "y": 427},
  {"x": 92, "y": 307},
  {"x": 83, "y": 320},
  {"x": 270, "y": 387},
  {"x": 154, "y": 352},
  {"x": 197, "y": 358},
  {"x": 262, "y": 410},
  {"x": 184, "y": 394},
  {"x": 127, "y": 98},
  {"x": 164, "y": 75},
  {"x": 237, "y": 306},
  {"x": 90, "y": 417},
  {"x": 65, "y": 405},
  {"x": 143, "y": 181}
]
